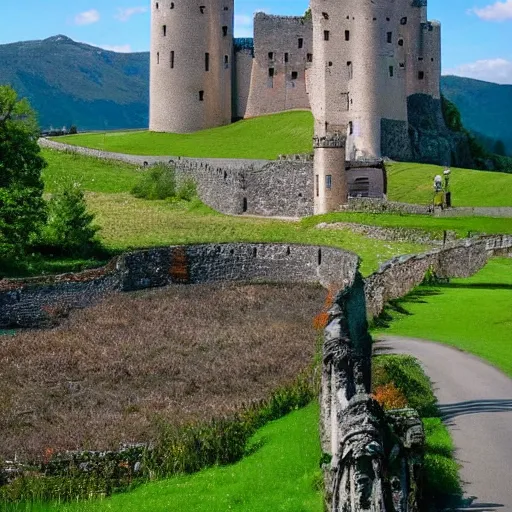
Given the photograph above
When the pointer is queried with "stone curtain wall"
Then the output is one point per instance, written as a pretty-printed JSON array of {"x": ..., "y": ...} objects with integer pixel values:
[
  {"x": 41, "y": 301},
  {"x": 399, "y": 276},
  {"x": 278, "y": 188}
]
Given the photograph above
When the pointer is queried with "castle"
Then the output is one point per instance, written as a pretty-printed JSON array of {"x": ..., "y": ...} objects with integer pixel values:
[{"x": 365, "y": 68}]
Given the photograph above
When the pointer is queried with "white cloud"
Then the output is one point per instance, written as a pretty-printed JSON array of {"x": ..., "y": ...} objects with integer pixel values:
[
  {"x": 491, "y": 70},
  {"x": 118, "y": 48},
  {"x": 87, "y": 17},
  {"x": 243, "y": 26},
  {"x": 124, "y": 14},
  {"x": 499, "y": 11}
]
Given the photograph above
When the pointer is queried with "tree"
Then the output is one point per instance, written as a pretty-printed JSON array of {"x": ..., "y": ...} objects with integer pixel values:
[
  {"x": 70, "y": 228},
  {"x": 22, "y": 207},
  {"x": 499, "y": 148}
]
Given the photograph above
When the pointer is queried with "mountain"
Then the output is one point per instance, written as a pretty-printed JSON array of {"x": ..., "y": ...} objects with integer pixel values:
[
  {"x": 486, "y": 108},
  {"x": 75, "y": 83}
]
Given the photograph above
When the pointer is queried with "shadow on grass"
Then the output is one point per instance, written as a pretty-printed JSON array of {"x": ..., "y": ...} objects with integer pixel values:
[
  {"x": 478, "y": 286},
  {"x": 399, "y": 306}
]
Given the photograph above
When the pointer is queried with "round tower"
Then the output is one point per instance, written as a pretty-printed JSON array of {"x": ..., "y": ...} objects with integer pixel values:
[
  {"x": 356, "y": 80},
  {"x": 191, "y": 64}
]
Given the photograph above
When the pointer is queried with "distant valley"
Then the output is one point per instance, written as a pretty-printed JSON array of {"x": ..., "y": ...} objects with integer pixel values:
[{"x": 71, "y": 83}]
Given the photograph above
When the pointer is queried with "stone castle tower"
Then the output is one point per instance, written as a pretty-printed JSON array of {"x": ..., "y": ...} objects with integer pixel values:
[
  {"x": 369, "y": 70},
  {"x": 191, "y": 64},
  {"x": 369, "y": 57}
]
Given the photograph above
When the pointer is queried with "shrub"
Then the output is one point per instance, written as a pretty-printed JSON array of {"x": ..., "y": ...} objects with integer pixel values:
[
  {"x": 408, "y": 377},
  {"x": 390, "y": 397},
  {"x": 157, "y": 183},
  {"x": 187, "y": 190},
  {"x": 70, "y": 228}
]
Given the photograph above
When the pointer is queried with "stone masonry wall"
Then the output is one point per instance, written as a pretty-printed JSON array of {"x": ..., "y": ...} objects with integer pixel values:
[
  {"x": 41, "y": 301},
  {"x": 399, "y": 276},
  {"x": 282, "y": 47}
]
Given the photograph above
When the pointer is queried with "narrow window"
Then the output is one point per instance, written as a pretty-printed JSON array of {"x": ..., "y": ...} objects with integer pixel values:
[
  {"x": 301, "y": 42},
  {"x": 226, "y": 60},
  {"x": 270, "y": 72},
  {"x": 202, "y": 8},
  {"x": 286, "y": 57},
  {"x": 421, "y": 75},
  {"x": 317, "y": 184},
  {"x": 319, "y": 256},
  {"x": 295, "y": 75},
  {"x": 351, "y": 128},
  {"x": 201, "y": 95},
  {"x": 391, "y": 71},
  {"x": 172, "y": 60},
  {"x": 400, "y": 42},
  {"x": 225, "y": 30},
  {"x": 403, "y": 21},
  {"x": 244, "y": 208},
  {"x": 164, "y": 30},
  {"x": 350, "y": 70},
  {"x": 325, "y": 15},
  {"x": 347, "y": 35},
  {"x": 158, "y": 57},
  {"x": 156, "y": 5},
  {"x": 270, "y": 55},
  {"x": 207, "y": 62},
  {"x": 328, "y": 182},
  {"x": 390, "y": 37},
  {"x": 172, "y": 5},
  {"x": 309, "y": 57},
  {"x": 326, "y": 35}
]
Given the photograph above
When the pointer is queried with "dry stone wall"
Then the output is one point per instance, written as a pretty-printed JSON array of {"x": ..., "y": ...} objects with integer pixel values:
[
  {"x": 41, "y": 301},
  {"x": 399, "y": 276}
]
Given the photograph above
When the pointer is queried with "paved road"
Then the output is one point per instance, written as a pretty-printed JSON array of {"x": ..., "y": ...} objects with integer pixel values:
[{"x": 476, "y": 402}]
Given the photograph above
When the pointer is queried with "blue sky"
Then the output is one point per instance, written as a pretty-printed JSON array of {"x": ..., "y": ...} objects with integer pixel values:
[{"x": 477, "y": 34}]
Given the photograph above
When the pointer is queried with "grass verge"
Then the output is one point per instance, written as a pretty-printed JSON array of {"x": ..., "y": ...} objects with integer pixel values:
[
  {"x": 280, "y": 472},
  {"x": 442, "y": 483},
  {"x": 473, "y": 314}
]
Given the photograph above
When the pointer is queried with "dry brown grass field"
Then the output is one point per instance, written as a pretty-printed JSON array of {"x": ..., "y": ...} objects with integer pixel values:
[{"x": 109, "y": 373}]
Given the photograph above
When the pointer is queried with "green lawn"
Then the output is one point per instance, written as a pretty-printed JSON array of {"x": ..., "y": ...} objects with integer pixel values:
[
  {"x": 94, "y": 175},
  {"x": 264, "y": 137},
  {"x": 282, "y": 474},
  {"x": 412, "y": 183},
  {"x": 472, "y": 314},
  {"x": 129, "y": 223}
]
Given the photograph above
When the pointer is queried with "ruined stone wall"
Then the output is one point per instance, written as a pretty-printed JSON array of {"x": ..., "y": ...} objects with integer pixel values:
[
  {"x": 41, "y": 301},
  {"x": 191, "y": 64},
  {"x": 399, "y": 276},
  {"x": 282, "y": 48}
]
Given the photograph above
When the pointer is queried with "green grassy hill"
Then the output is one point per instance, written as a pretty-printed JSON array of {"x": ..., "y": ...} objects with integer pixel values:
[
  {"x": 263, "y": 137},
  {"x": 412, "y": 183}
]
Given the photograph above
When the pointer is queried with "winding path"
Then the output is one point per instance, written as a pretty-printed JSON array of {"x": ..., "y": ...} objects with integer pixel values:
[{"x": 476, "y": 403}]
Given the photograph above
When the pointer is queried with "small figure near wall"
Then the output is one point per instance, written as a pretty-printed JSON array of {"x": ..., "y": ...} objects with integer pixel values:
[
  {"x": 438, "y": 192},
  {"x": 447, "y": 190}
]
